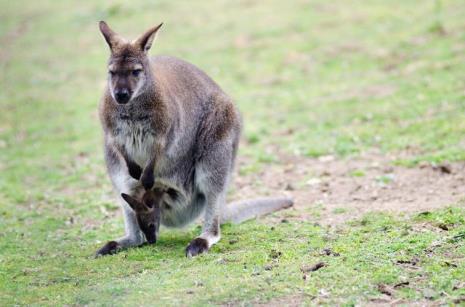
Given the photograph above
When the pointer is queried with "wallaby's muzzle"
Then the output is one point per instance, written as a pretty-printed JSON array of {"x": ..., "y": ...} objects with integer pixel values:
[
  {"x": 122, "y": 96},
  {"x": 151, "y": 239}
]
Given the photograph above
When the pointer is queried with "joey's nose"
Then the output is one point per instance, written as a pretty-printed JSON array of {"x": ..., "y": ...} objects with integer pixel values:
[
  {"x": 152, "y": 240},
  {"x": 122, "y": 96}
]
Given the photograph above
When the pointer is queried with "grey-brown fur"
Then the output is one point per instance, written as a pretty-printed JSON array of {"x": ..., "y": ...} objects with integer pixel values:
[{"x": 177, "y": 124}]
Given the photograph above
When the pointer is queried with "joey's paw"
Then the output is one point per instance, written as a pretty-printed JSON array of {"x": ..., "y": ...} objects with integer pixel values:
[
  {"x": 109, "y": 248},
  {"x": 197, "y": 246},
  {"x": 147, "y": 180},
  {"x": 135, "y": 171}
]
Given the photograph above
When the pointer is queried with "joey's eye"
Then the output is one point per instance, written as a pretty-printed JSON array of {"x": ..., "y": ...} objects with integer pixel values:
[
  {"x": 112, "y": 73},
  {"x": 151, "y": 226},
  {"x": 136, "y": 72}
]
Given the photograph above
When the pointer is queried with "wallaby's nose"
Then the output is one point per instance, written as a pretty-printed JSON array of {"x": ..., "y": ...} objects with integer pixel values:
[
  {"x": 122, "y": 96},
  {"x": 152, "y": 240}
]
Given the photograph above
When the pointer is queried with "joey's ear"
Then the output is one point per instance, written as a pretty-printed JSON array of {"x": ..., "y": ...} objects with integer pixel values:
[
  {"x": 144, "y": 42},
  {"x": 149, "y": 199},
  {"x": 110, "y": 36},
  {"x": 149, "y": 204},
  {"x": 135, "y": 204}
]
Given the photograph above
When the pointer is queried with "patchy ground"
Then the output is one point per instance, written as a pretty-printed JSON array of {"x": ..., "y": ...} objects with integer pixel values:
[{"x": 331, "y": 191}]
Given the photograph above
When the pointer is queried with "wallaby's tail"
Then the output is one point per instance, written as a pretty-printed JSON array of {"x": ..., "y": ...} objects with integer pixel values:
[{"x": 240, "y": 211}]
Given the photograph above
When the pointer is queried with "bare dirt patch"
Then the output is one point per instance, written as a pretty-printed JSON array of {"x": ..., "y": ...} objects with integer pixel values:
[{"x": 332, "y": 191}]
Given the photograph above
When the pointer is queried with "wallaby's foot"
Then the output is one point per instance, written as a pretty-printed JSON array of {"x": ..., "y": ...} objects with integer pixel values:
[
  {"x": 109, "y": 248},
  {"x": 196, "y": 247}
]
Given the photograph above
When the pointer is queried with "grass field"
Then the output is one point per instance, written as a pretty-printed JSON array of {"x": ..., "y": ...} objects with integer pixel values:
[{"x": 312, "y": 78}]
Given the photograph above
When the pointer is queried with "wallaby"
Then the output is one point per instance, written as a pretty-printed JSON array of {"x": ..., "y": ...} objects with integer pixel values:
[{"x": 169, "y": 117}]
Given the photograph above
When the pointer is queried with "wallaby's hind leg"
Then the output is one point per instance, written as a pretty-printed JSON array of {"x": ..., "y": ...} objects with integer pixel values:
[
  {"x": 211, "y": 179},
  {"x": 211, "y": 227},
  {"x": 122, "y": 183}
]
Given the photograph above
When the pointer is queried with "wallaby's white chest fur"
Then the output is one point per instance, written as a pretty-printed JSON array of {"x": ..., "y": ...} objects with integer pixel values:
[{"x": 137, "y": 139}]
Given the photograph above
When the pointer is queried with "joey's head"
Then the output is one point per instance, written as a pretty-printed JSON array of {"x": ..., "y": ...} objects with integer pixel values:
[
  {"x": 129, "y": 71},
  {"x": 147, "y": 212}
]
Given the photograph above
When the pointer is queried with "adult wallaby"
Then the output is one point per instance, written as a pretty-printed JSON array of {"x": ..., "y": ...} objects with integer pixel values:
[{"x": 169, "y": 117}]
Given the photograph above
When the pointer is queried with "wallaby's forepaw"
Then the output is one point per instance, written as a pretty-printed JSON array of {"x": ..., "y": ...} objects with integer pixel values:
[
  {"x": 135, "y": 171},
  {"x": 197, "y": 246},
  {"x": 109, "y": 248},
  {"x": 147, "y": 179}
]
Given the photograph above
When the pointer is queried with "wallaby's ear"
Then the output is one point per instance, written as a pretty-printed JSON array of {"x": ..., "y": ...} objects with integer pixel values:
[
  {"x": 135, "y": 204},
  {"x": 149, "y": 204},
  {"x": 144, "y": 42},
  {"x": 110, "y": 36}
]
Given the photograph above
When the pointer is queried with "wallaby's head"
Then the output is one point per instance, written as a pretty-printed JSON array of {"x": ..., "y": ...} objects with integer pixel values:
[
  {"x": 147, "y": 212},
  {"x": 128, "y": 66}
]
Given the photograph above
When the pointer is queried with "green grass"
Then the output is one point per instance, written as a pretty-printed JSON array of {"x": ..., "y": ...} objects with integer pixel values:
[
  {"x": 254, "y": 261},
  {"x": 312, "y": 77}
]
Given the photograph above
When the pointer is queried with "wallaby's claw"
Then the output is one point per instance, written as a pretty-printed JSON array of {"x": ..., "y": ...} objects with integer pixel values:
[
  {"x": 196, "y": 247},
  {"x": 109, "y": 248}
]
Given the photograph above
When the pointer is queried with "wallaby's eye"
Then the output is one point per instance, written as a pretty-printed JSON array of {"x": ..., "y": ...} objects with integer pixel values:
[
  {"x": 112, "y": 73},
  {"x": 136, "y": 72},
  {"x": 151, "y": 226}
]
